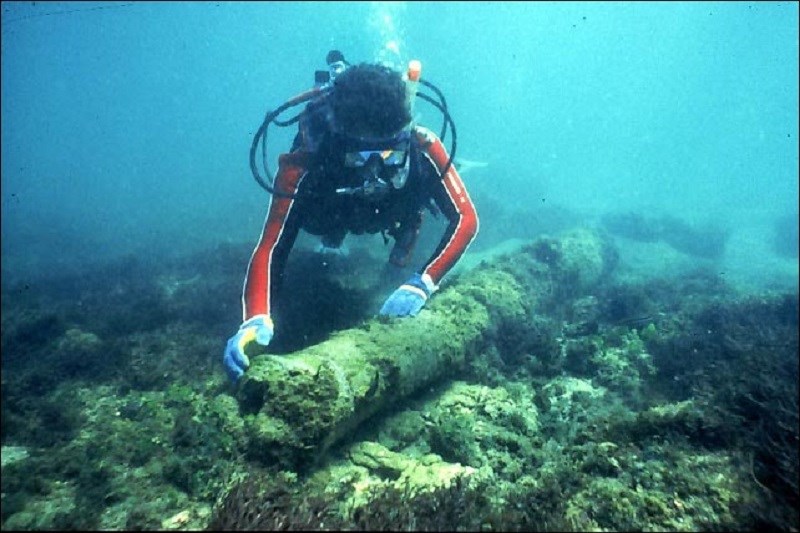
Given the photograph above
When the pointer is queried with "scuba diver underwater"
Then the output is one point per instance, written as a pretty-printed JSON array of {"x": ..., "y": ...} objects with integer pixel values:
[{"x": 358, "y": 164}]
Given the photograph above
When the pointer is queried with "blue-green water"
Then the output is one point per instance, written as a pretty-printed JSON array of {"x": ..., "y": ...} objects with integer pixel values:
[
  {"x": 126, "y": 126},
  {"x": 629, "y": 364}
]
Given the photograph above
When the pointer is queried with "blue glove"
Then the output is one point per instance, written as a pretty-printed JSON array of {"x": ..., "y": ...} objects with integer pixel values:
[
  {"x": 258, "y": 328},
  {"x": 409, "y": 298}
]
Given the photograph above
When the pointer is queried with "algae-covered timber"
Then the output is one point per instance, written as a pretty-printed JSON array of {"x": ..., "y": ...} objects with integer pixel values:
[{"x": 297, "y": 405}]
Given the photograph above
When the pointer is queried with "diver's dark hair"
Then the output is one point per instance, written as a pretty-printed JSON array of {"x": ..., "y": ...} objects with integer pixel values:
[{"x": 369, "y": 100}]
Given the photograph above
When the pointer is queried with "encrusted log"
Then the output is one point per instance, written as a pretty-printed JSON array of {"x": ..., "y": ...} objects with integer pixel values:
[{"x": 297, "y": 405}]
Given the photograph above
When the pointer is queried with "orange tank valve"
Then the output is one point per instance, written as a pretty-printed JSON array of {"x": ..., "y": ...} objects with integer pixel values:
[{"x": 414, "y": 70}]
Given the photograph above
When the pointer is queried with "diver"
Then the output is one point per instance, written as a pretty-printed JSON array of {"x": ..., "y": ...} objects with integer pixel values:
[{"x": 358, "y": 164}]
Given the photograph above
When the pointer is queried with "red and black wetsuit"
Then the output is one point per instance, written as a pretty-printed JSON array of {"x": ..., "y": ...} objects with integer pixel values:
[{"x": 318, "y": 209}]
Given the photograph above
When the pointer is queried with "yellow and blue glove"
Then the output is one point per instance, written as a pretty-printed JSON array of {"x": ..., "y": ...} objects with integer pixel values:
[
  {"x": 259, "y": 329},
  {"x": 409, "y": 298}
]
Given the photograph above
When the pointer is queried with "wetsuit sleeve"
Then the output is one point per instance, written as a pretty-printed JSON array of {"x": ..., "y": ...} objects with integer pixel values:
[
  {"x": 452, "y": 199},
  {"x": 280, "y": 230}
]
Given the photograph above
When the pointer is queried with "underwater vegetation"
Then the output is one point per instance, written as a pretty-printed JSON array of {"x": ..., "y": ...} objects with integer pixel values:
[
  {"x": 538, "y": 391},
  {"x": 694, "y": 239},
  {"x": 785, "y": 236}
]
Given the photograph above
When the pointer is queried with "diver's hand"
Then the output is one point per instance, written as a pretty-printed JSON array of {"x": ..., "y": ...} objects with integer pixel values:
[
  {"x": 259, "y": 329},
  {"x": 409, "y": 298}
]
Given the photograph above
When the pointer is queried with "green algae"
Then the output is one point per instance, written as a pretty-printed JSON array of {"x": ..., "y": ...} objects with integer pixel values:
[
  {"x": 688, "y": 493},
  {"x": 481, "y": 413},
  {"x": 314, "y": 397},
  {"x": 12, "y": 454}
]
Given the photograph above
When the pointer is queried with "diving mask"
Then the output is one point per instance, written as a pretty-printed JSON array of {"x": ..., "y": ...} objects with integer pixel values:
[
  {"x": 391, "y": 151},
  {"x": 381, "y": 163},
  {"x": 380, "y": 170},
  {"x": 389, "y": 158}
]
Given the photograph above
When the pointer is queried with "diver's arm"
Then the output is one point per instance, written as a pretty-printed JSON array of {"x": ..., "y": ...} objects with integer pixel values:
[
  {"x": 453, "y": 200},
  {"x": 279, "y": 233}
]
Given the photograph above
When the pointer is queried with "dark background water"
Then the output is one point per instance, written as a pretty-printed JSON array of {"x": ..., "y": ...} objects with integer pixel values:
[{"x": 126, "y": 126}]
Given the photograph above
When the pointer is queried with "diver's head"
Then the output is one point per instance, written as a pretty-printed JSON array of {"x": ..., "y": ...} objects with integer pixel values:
[
  {"x": 372, "y": 118},
  {"x": 369, "y": 101}
]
